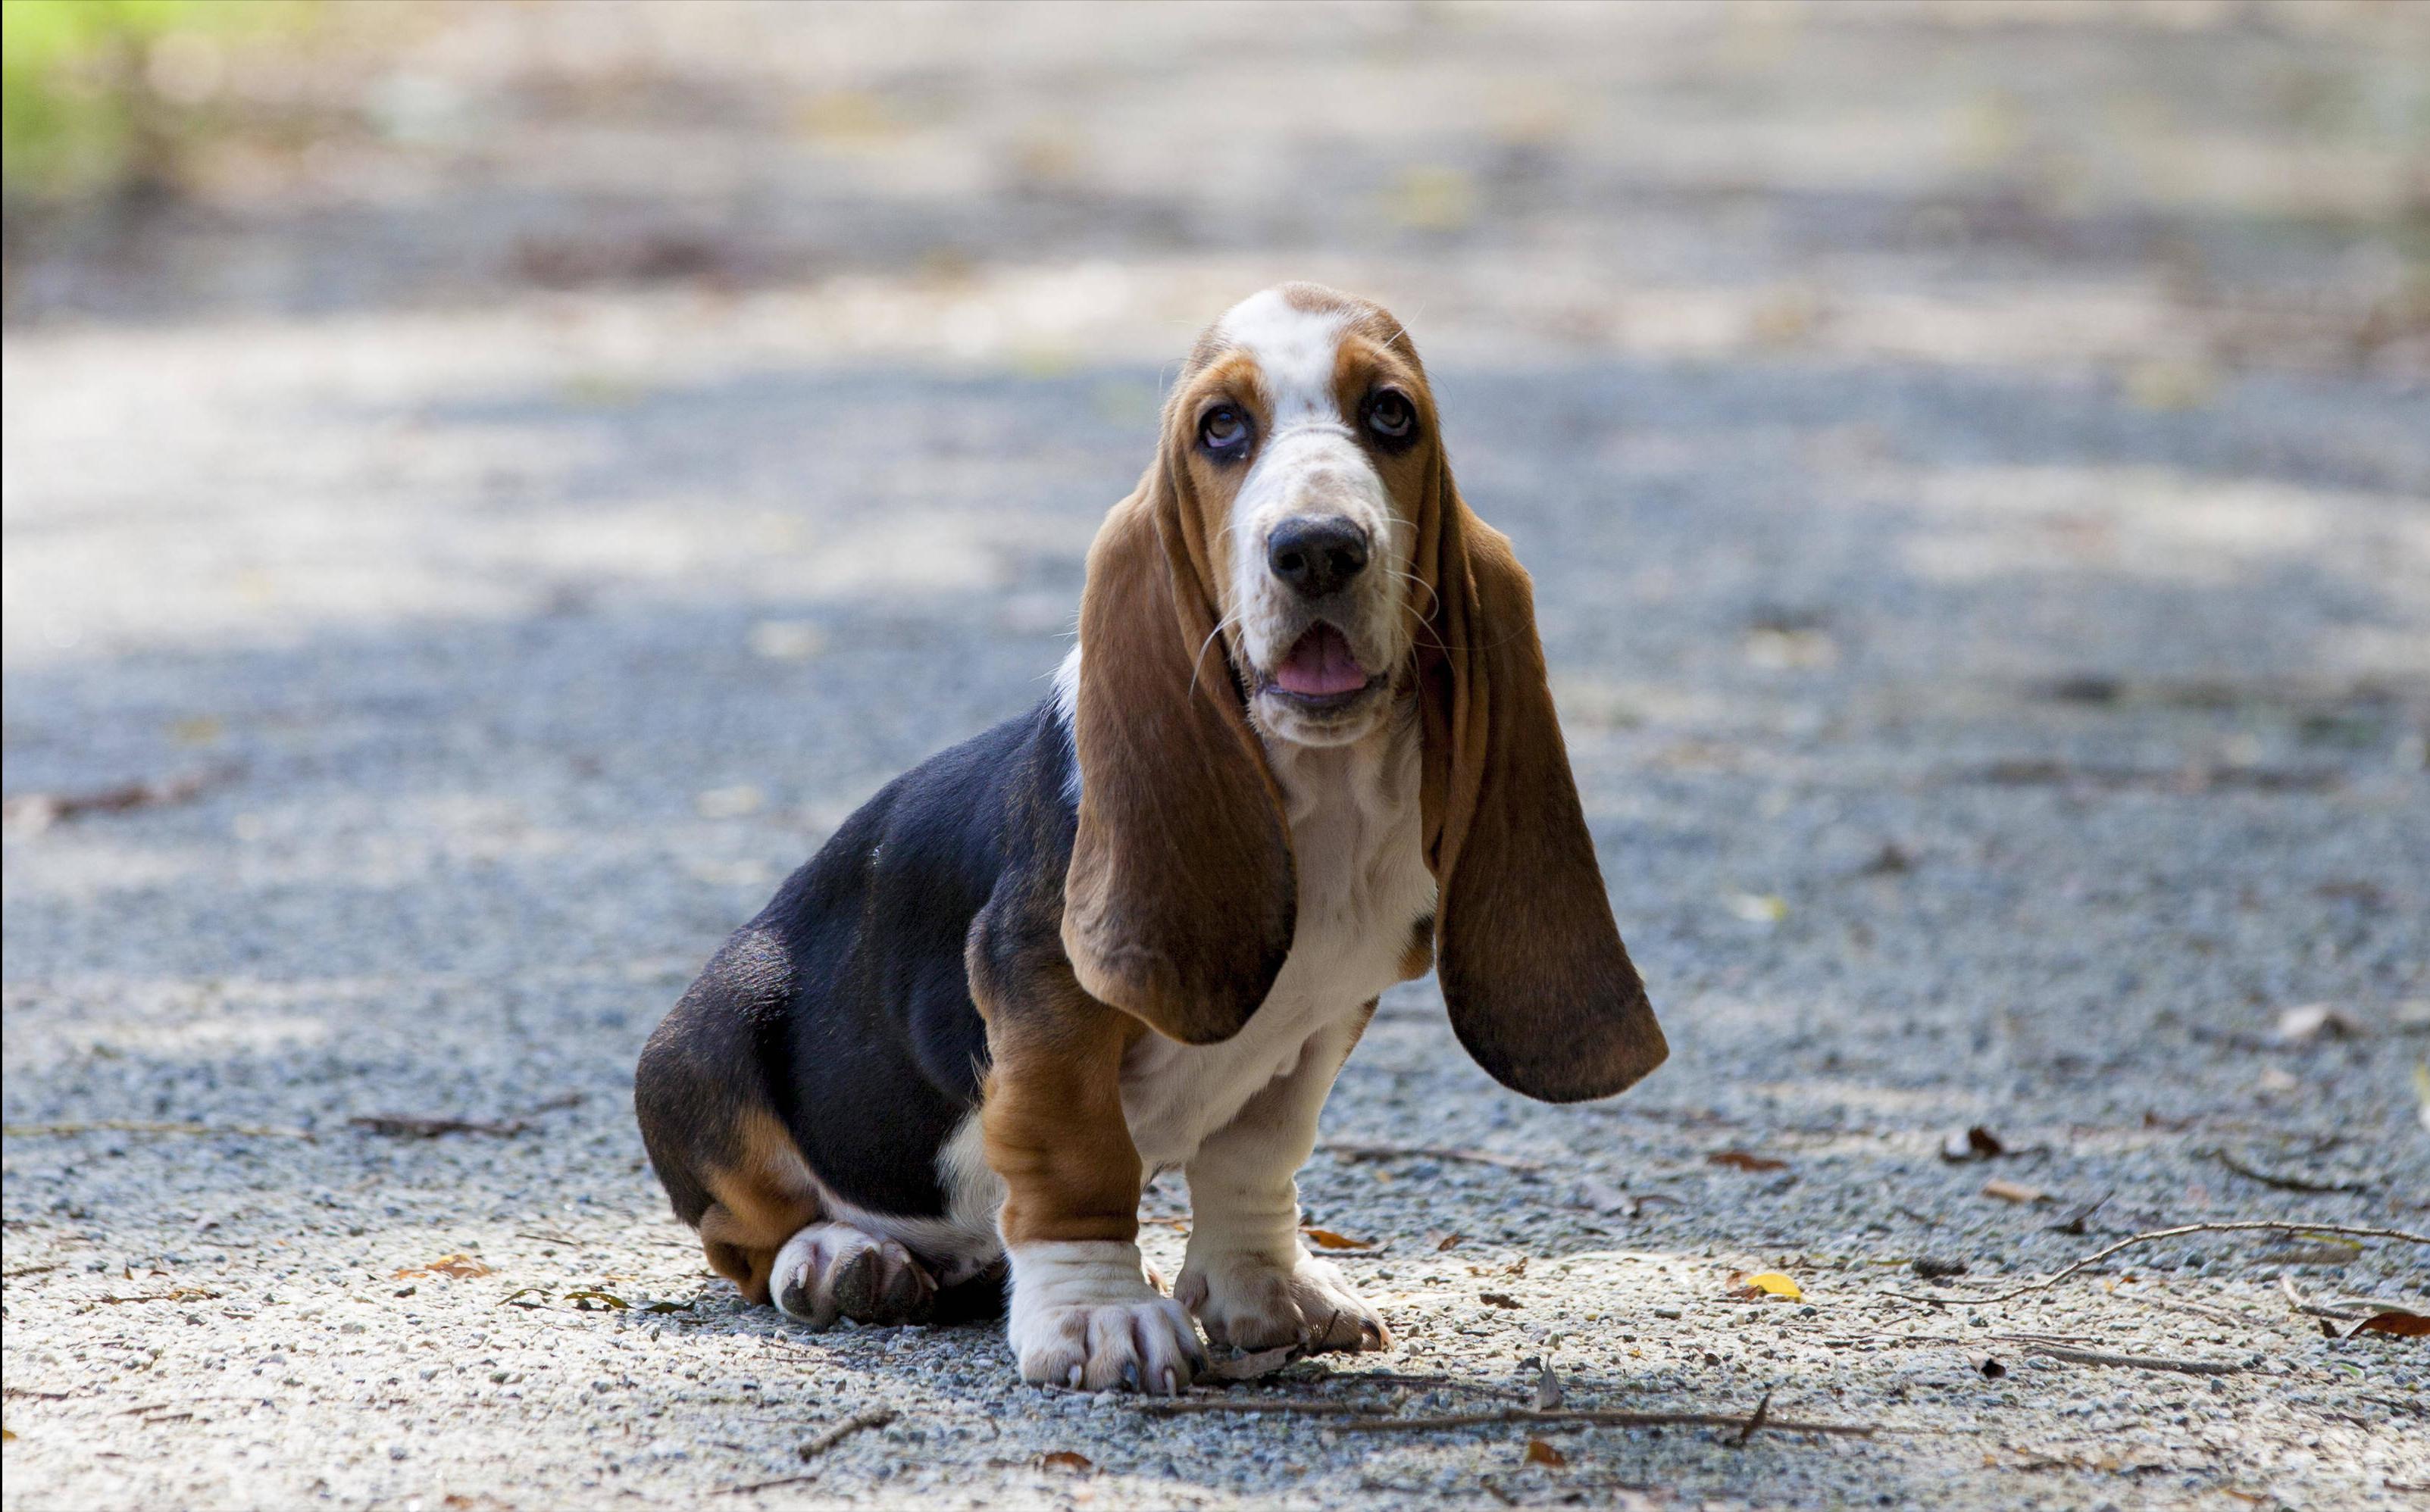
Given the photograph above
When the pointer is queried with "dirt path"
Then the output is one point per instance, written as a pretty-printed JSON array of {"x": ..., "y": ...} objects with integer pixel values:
[{"x": 2000, "y": 698}]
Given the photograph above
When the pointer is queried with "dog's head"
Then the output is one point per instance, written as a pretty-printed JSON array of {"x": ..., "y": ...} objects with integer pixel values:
[{"x": 1296, "y": 564}]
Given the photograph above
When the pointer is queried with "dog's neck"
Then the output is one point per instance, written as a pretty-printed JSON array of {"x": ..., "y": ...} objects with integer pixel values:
[{"x": 1354, "y": 816}]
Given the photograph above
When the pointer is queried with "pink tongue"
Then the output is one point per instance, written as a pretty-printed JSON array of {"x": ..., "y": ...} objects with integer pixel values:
[{"x": 1319, "y": 665}]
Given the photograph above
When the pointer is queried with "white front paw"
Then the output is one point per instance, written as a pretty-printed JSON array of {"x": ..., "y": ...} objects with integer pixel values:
[
  {"x": 1250, "y": 1301},
  {"x": 1083, "y": 1315}
]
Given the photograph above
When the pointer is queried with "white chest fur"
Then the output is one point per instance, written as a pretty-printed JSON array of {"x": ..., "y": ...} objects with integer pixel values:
[{"x": 1356, "y": 842}]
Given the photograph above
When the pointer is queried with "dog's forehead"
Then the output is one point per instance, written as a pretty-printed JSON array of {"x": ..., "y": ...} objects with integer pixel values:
[{"x": 1293, "y": 342}]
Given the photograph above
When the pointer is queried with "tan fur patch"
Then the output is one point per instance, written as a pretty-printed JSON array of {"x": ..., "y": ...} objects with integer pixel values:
[
  {"x": 1052, "y": 1123},
  {"x": 763, "y": 1199}
]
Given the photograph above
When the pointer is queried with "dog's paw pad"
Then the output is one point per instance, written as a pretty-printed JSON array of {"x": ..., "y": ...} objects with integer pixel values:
[{"x": 832, "y": 1271}]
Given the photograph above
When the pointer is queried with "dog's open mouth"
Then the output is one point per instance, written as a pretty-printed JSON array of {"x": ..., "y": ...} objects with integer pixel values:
[{"x": 1321, "y": 672}]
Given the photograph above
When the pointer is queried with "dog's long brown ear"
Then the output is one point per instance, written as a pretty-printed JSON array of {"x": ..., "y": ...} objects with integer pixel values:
[
  {"x": 1541, "y": 989},
  {"x": 1177, "y": 908}
]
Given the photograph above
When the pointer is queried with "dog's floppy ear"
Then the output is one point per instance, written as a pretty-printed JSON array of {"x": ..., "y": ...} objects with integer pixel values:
[
  {"x": 1541, "y": 989},
  {"x": 1177, "y": 906}
]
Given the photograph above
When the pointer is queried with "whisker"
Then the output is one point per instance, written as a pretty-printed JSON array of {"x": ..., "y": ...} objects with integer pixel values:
[{"x": 1200, "y": 659}]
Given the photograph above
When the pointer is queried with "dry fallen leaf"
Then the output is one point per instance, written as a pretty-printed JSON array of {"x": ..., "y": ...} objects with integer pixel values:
[
  {"x": 1066, "y": 1459},
  {"x": 1324, "y": 1238},
  {"x": 1548, "y": 1389},
  {"x": 1771, "y": 1283},
  {"x": 1602, "y": 1197},
  {"x": 1442, "y": 1241},
  {"x": 2010, "y": 1191},
  {"x": 458, "y": 1267},
  {"x": 1757, "y": 908},
  {"x": 2314, "y": 1020},
  {"x": 1740, "y": 1160},
  {"x": 1540, "y": 1453},
  {"x": 2394, "y": 1320},
  {"x": 1498, "y": 1299},
  {"x": 1975, "y": 1144}
]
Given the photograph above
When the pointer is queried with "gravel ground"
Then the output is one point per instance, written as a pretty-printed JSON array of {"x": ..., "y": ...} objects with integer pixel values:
[{"x": 2001, "y": 724}]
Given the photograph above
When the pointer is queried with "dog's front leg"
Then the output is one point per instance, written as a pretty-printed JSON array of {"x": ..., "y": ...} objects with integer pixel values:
[
  {"x": 1083, "y": 1313},
  {"x": 1247, "y": 1275}
]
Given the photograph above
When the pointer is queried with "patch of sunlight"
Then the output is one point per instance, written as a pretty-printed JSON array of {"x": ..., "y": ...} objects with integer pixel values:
[{"x": 2149, "y": 522}]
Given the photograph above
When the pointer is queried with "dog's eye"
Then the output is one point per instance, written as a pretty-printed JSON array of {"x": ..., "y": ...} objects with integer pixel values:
[
  {"x": 1222, "y": 429},
  {"x": 1390, "y": 417}
]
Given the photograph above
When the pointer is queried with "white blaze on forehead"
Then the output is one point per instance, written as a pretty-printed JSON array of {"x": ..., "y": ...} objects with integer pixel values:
[{"x": 1294, "y": 349}]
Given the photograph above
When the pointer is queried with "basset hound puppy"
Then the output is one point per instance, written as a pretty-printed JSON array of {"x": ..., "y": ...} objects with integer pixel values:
[{"x": 1304, "y": 750}]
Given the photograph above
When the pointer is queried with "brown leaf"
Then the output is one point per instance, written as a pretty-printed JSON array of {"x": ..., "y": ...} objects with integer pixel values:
[
  {"x": 458, "y": 1267},
  {"x": 1254, "y": 1367},
  {"x": 1740, "y": 1160},
  {"x": 1499, "y": 1299},
  {"x": 1540, "y": 1453},
  {"x": 2394, "y": 1320},
  {"x": 2010, "y": 1191},
  {"x": 32, "y": 812},
  {"x": 1442, "y": 1241},
  {"x": 1324, "y": 1238},
  {"x": 1975, "y": 1143},
  {"x": 1069, "y": 1459}
]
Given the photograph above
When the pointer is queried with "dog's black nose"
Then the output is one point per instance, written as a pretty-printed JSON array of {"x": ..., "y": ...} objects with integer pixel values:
[{"x": 1317, "y": 554}]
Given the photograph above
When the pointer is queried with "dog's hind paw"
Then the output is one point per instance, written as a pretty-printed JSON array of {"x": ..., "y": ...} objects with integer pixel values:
[{"x": 831, "y": 1271}]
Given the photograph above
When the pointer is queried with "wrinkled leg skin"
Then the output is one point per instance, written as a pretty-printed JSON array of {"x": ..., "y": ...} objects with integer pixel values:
[
  {"x": 1247, "y": 1276},
  {"x": 1083, "y": 1313}
]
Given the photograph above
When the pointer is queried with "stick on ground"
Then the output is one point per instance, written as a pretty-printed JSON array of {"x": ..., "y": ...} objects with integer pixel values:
[
  {"x": 252, "y": 1130},
  {"x": 873, "y": 1417},
  {"x": 858, "y": 1422},
  {"x": 2135, "y": 1362},
  {"x": 2239, "y": 1227},
  {"x": 1601, "y": 1418}
]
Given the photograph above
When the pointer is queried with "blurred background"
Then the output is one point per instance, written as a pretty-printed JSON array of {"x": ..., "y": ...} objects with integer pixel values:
[
  {"x": 2166, "y": 187},
  {"x": 488, "y": 487}
]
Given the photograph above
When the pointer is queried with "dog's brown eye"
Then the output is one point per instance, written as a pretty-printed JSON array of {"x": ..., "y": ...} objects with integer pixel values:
[
  {"x": 1390, "y": 416},
  {"x": 1222, "y": 429}
]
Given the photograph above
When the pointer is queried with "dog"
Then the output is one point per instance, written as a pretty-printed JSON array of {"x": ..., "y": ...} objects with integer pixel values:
[{"x": 1304, "y": 749}]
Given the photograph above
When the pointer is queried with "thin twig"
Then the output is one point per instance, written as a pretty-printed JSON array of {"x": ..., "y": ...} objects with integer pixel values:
[
  {"x": 1762, "y": 1411},
  {"x": 1601, "y": 1418},
  {"x": 1428, "y": 1383},
  {"x": 2239, "y": 1227},
  {"x": 2302, "y": 1183},
  {"x": 873, "y": 1418},
  {"x": 857, "y": 1422},
  {"x": 2135, "y": 1362},
  {"x": 766, "y": 1486},
  {"x": 256, "y": 1131},
  {"x": 1155, "y": 1407},
  {"x": 413, "y": 1126},
  {"x": 1355, "y": 1150}
]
